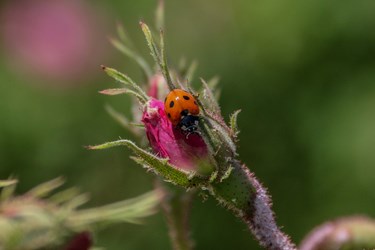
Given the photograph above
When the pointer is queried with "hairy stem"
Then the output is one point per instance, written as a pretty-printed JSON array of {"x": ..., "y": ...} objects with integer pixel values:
[
  {"x": 242, "y": 194},
  {"x": 176, "y": 207}
]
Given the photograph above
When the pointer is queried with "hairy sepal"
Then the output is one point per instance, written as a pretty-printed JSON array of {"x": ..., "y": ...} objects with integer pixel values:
[{"x": 158, "y": 165}]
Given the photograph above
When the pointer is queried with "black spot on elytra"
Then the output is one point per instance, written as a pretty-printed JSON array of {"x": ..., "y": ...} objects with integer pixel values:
[
  {"x": 169, "y": 115},
  {"x": 186, "y": 97},
  {"x": 171, "y": 104},
  {"x": 184, "y": 112}
]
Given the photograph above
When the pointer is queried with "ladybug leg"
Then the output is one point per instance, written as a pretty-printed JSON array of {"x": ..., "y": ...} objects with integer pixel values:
[
  {"x": 187, "y": 135},
  {"x": 193, "y": 132}
]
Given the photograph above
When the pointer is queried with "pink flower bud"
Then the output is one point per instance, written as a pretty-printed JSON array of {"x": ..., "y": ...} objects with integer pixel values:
[
  {"x": 169, "y": 142},
  {"x": 158, "y": 88}
]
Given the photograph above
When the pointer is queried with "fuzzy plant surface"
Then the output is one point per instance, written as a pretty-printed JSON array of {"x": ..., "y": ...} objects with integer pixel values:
[
  {"x": 207, "y": 160},
  {"x": 41, "y": 219}
]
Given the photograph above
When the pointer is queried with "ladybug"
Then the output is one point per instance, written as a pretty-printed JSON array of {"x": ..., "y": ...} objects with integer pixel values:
[
  {"x": 189, "y": 124},
  {"x": 182, "y": 110}
]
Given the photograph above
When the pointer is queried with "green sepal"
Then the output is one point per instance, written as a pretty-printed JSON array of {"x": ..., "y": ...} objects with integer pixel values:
[
  {"x": 7, "y": 188},
  {"x": 120, "y": 91},
  {"x": 131, "y": 210},
  {"x": 76, "y": 202},
  {"x": 221, "y": 131},
  {"x": 227, "y": 173},
  {"x": 190, "y": 71},
  {"x": 159, "y": 15},
  {"x": 160, "y": 166},
  {"x": 125, "y": 45},
  {"x": 214, "y": 133},
  {"x": 64, "y": 196},
  {"x": 233, "y": 122},
  {"x": 210, "y": 97},
  {"x": 163, "y": 62},
  {"x": 158, "y": 54},
  {"x": 5, "y": 183},
  {"x": 213, "y": 176},
  {"x": 126, "y": 50},
  {"x": 123, "y": 37},
  {"x": 46, "y": 188},
  {"x": 124, "y": 79},
  {"x": 122, "y": 120},
  {"x": 150, "y": 42}
]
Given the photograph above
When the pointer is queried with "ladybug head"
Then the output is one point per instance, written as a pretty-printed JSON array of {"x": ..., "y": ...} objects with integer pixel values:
[{"x": 189, "y": 124}]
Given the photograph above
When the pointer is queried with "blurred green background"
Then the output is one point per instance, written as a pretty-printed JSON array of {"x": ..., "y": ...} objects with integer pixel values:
[{"x": 303, "y": 73}]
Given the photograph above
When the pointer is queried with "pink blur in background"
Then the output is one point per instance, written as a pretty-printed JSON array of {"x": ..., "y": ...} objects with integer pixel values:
[{"x": 58, "y": 41}]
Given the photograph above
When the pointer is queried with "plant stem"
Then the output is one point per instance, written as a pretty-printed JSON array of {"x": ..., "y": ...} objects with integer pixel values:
[
  {"x": 242, "y": 194},
  {"x": 176, "y": 207}
]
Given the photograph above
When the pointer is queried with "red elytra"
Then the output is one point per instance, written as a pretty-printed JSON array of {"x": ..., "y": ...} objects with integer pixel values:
[{"x": 178, "y": 104}]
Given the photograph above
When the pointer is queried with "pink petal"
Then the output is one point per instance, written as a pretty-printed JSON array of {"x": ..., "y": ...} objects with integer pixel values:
[{"x": 169, "y": 142}]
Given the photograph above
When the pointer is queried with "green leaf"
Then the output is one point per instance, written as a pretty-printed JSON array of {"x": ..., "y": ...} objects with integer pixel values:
[{"x": 158, "y": 165}]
